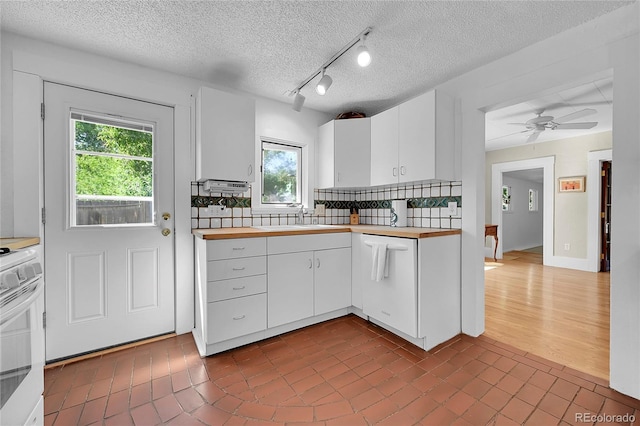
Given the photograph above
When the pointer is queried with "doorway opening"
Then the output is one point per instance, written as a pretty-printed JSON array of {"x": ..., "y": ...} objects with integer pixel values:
[{"x": 532, "y": 304}]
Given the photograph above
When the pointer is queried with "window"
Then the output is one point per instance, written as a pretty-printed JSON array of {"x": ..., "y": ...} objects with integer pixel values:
[
  {"x": 112, "y": 164},
  {"x": 281, "y": 174}
]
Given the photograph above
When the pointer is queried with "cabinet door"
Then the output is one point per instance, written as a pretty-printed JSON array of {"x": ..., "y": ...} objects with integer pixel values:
[
  {"x": 326, "y": 155},
  {"x": 289, "y": 288},
  {"x": 352, "y": 152},
  {"x": 384, "y": 147},
  {"x": 416, "y": 138},
  {"x": 332, "y": 280},
  {"x": 225, "y": 136}
]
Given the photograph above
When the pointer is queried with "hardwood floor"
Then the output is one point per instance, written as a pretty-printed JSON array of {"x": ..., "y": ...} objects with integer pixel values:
[{"x": 559, "y": 314}]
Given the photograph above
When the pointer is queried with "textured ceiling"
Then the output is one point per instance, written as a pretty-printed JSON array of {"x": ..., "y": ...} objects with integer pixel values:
[{"x": 269, "y": 47}]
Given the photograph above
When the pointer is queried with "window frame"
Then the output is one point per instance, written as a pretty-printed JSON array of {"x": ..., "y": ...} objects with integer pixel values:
[
  {"x": 121, "y": 122},
  {"x": 257, "y": 207}
]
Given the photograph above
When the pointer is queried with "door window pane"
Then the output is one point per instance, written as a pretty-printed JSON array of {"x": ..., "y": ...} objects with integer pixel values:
[{"x": 113, "y": 171}]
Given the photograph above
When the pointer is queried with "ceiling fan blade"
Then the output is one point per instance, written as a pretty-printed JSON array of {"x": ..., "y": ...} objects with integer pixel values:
[
  {"x": 533, "y": 136},
  {"x": 585, "y": 125},
  {"x": 510, "y": 134},
  {"x": 575, "y": 115}
]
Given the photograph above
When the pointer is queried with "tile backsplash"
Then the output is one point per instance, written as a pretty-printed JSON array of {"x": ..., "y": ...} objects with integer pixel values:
[{"x": 427, "y": 206}]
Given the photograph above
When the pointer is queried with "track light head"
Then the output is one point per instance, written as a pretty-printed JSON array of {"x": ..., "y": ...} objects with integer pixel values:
[
  {"x": 364, "y": 57},
  {"x": 324, "y": 84},
  {"x": 298, "y": 101}
]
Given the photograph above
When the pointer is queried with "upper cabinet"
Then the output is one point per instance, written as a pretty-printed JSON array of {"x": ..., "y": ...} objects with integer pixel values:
[
  {"x": 414, "y": 141},
  {"x": 225, "y": 136},
  {"x": 344, "y": 151}
]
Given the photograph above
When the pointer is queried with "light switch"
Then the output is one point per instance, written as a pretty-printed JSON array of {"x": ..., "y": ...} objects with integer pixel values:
[{"x": 453, "y": 208}]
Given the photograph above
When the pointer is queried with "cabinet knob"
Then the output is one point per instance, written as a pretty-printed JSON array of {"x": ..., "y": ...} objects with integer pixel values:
[
  {"x": 310, "y": 263},
  {"x": 318, "y": 263},
  {"x": 395, "y": 171},
  {"x": 250, "y": 169},
  {"x": 239, "y": 318},
  {"x": 403, "y": 170}
]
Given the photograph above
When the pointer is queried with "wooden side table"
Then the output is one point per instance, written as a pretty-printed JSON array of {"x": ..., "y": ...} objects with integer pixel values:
[{"x": 492, "y": 231}]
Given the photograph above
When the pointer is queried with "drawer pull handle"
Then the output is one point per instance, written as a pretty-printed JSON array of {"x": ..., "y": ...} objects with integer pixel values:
[
  {"x": 239, "y": 269},
  {"x": 317, "y": 263},
  {"x": 310, "y": 263},
  {"x": 240, "y": 288},
  {"x": 386, "y": 313},
  {"x": 239, "y": 318},
  {"x": 238, "y": 248}
]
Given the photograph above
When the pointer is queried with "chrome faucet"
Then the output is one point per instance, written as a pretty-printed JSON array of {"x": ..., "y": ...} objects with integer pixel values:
[{"x": 300, "y": 214}]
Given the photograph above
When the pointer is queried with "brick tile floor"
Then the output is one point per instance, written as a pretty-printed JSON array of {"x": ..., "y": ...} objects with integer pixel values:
[{"x": 345, "y": 371}]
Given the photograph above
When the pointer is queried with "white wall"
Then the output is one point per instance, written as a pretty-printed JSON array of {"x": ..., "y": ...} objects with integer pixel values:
[
  {"x": 521, "y": 228},
  {"x": 58, "y": 64},
  {"x": 575, "y": 56},
  {"x": 570, "y": 214}
]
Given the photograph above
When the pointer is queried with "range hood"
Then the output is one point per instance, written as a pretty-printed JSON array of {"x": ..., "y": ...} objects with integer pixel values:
[{"x": 225, "y": 186}]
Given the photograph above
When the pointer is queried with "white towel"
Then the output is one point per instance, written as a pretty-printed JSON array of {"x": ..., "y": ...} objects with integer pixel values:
[{"x": 379, "y": 261}]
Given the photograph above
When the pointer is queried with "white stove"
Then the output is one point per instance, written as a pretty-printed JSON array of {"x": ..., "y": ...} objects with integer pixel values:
[{"x": 21, "y": 337}]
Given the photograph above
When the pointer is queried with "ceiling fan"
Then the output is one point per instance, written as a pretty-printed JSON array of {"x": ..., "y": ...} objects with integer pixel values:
[{"x": 541, "y": 123}]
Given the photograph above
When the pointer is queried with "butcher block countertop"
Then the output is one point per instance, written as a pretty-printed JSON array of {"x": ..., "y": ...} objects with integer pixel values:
[
  {"x": 275, "y": 231},
  {"x": 19, "y": 242}
]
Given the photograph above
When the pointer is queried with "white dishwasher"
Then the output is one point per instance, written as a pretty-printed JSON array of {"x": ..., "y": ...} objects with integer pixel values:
[{"x": 391, "y": 297}]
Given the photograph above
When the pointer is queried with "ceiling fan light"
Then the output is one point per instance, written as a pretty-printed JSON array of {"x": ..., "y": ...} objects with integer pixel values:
[
  {"x": 364, "y": 57},
  {"x": 324, "y": 84},
  {"x": 298, "y": 101}
]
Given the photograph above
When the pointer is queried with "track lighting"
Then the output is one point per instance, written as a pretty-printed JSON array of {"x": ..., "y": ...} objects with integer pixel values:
[
  {"x": 298, "y": 101},
  {"x": 324, "y": 84},
  {"x": 364, "y": 59}
]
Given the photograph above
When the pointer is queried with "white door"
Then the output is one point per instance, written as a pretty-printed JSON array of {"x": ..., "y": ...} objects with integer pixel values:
[
  {"x": 332, "y": 278},
  {"x": 384, "y": 147},
  {"x": 109, "y": 220}
]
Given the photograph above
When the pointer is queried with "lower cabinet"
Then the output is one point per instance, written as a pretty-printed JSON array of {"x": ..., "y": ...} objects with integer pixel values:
[
  {"x": 249, "y": 289},
  {"x": 307, "y": 283},
  {"x": 236, "y": 317},
  {"x": 290, "y": 282}
]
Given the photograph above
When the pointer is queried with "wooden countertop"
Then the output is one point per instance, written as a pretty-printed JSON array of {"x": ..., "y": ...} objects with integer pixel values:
[
  {"x": 19, "y": 242},
  {"x": 275, "y": 231}
]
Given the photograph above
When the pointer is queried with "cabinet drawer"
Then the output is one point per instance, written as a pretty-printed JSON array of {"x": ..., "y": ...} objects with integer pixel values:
[
  {"x": 237, "y": 287},
  {"x": 235, "y": 268},
  {"x": 299, "y": 243},
  {"x": 236, "y": 248},
  {"x": 236, "y": 317}
]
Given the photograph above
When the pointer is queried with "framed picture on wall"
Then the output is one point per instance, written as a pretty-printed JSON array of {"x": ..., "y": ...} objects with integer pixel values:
[{"x": 571, "y": 184}]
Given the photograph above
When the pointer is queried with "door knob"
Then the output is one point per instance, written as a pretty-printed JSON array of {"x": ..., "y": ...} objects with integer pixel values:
[
  {"x": 166, "y": 216},
  {"x": 166, "y": 231}
]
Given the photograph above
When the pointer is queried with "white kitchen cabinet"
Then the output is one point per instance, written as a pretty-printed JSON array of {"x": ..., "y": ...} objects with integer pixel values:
[
  {"x": 332, "y": 280},
  {"x": 225, "y": 136},
  {"x": 344, "y": 153},
  {"x": 290, "y": 287},
  {"x": 384, "y": 147},
  {"x": 231, "y": 299},
  {"x": 308, "y": 275},
  {"x": 414, "y": 141}
]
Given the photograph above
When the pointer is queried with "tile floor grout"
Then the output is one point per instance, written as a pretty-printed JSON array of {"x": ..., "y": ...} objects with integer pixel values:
[{"x": 343, "y": 371}]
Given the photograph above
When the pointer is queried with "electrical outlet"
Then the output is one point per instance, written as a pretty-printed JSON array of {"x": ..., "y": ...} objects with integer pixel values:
[
  {"x": 453, "y": 208},
  {"x": 319, "y": 210},
  {"x": 567, "y": 246},
  {"x": 217, "y": 210}
]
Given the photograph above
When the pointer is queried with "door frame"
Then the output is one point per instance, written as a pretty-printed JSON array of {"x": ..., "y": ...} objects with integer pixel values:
[
  {"x": 594, "y": 192},
  {"x": 497, "y": 171},
  {"x": 135, "y": 82}
]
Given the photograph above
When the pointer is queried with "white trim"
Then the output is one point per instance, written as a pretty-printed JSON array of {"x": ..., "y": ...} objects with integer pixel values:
[
  {"x": 594, "y": 191},
  {"x": 547, "y": 164}
]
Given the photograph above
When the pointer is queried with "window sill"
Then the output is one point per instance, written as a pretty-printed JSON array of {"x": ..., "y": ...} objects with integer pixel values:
[{"x": 279, "y": 210}]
